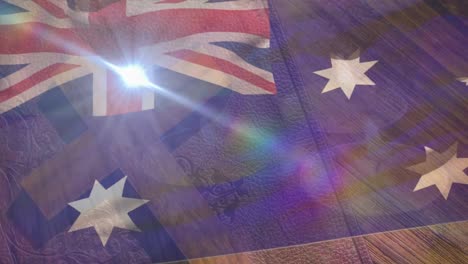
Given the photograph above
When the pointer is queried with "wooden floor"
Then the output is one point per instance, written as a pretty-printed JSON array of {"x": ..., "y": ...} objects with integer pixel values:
[{"x": 443, "y": 243}]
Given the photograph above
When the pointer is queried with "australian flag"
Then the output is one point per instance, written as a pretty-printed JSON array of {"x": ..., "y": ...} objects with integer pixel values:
[{"x": 151, "y": 131}]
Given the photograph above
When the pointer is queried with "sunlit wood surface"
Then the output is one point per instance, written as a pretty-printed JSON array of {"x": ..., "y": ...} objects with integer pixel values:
[{"x": 443, "y": 243}]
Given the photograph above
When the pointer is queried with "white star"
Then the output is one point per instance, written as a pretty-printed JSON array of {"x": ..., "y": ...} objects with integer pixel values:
[
  {"x": 441, "y": 169},
  {"x": 463, "y": 79},
  {"x": 346, "y": 74},
  {"x": 105, "y": 209}
]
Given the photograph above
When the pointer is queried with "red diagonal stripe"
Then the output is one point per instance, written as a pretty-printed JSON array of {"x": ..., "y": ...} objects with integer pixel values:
[
  {"x": 51, "y": 8},
  {"x": 34, "y": 79},
  {"x": 224, "y": 66}
]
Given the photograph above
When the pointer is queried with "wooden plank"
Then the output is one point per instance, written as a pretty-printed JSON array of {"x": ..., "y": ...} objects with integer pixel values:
[{"x": 442, "y": 243}]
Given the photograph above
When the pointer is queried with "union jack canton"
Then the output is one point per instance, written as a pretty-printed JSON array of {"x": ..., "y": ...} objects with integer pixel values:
[{"x": 51, "y": 43}]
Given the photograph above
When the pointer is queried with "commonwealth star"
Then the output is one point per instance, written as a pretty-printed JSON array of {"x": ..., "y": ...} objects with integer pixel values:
[{"x": 105, "y": 209}]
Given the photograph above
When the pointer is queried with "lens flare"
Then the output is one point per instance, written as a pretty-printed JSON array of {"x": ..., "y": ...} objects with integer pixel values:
[{"x": 133, "y": 76}]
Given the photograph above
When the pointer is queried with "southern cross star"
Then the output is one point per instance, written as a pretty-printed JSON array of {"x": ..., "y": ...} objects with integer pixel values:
[
  {"x": 105, "y": 209},
  {"x": 463, "y": 79},
  {"x": 441, "y": 169},
  {"x": 346, "y": 74}
]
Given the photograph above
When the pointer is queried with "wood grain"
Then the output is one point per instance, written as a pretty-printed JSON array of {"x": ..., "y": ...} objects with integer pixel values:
[{"x": 443, "y": 243}]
